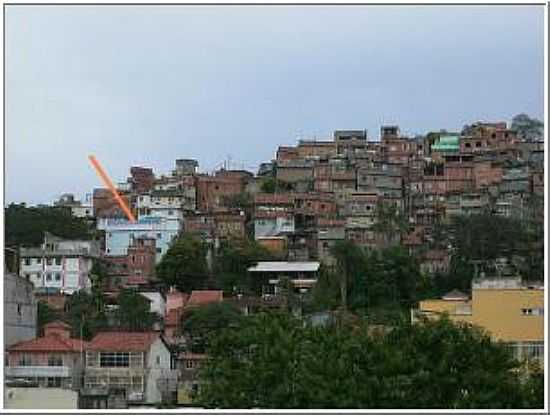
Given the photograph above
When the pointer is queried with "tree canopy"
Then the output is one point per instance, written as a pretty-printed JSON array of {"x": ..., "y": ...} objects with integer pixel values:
[
  {"x": 25, "y": 226},
  {"x": 86, "y": 314},
  {"x": 184, "y": 265},
  {"x": 133, "y": 312},
  {"x": 202, "y": 322},
  {"x": 275, "y": 361}
]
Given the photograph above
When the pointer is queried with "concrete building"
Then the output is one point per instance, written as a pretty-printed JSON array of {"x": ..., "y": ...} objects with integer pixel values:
[
  {"x": 141, "y": 179},
  {"x": 135, "y": 268},
  {"x": 188, "y": 365},
  {"x": 120, "y": 232},
  {"x": 105, "y": 205},
  {"x": 267, "y": 275},
  {"x": 137, "y": 363},
  {"x": 54, "y": 360},
  {"x": 78, "y": 209},
  {"x": 20, "y": 310},
  {"x": 511, "y": 311},
  {"x": 165, "y": 204},
  {"x": 58, "y": 263}
]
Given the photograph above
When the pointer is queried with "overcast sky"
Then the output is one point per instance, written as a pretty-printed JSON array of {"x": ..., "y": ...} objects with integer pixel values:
[{"x": 146, "y": 85}]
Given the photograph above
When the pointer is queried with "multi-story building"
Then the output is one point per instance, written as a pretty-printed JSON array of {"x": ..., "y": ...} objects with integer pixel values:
[
  {"x": 78, "y": 208},
  {"x": 61, "y": 264},
  {"x": 188, "y": 365},
  {"x": 120, "y": 232},
  {"x": 212, "y": 191},
  {"x": 105, "y": 205},
  {"x": 20, "y": 309},
  {"x": 137, "y": 363},
  {"x": 137, "y": 267},
  {"x": 512, "y": 312},
  {"x": 52, "y": 360},
  {"x": 141, "y": 179}
]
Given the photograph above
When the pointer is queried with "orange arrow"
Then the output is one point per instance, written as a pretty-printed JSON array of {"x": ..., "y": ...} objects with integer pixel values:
[{"x": 107, "y": 181}]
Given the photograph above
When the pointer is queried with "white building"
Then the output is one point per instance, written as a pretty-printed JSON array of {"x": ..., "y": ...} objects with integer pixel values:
[{"x": 61, "y": 264}]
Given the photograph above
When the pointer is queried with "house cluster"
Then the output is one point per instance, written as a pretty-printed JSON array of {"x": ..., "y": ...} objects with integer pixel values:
[{"x": 298, "y": 206}]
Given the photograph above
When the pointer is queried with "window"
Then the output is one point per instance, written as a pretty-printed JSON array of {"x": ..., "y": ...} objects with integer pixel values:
[
  {"x": 27, "y": 261},
  {"x": 189, "y": 364},
  {"x": 159, "y": 235},
  {"x": 117, "y": 359},
  {"x": 58, "y": 276},
  {"x": 55, "y": 360},
  {"x": 170, "y": 212},
  {"x": 19, "y": 309},
  {"x": 25, "y": 360},
  {"x": 48, "y": 277},
  {"x": 478, "y": 144},
  {"x": 49, "y": 261},
  {"x": 38, "y": 260},
  {"x": 57, "y": 261},
  {"x": 54, "y": 382},
  {"x": 158, "y": 360},
  {"x": 539, "y": 311},
  {"x": 468, "y": 145},
  {"x": 159, "y": 250}
]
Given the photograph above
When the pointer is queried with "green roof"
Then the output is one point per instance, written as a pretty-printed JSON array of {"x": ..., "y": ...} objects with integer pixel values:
[{"x": 447, "y": 143}]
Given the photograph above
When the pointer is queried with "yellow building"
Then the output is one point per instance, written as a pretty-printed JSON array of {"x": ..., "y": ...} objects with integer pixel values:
[{"x": 511, "y": 312}]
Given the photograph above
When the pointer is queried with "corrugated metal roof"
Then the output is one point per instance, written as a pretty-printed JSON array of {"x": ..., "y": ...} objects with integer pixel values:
[{"x": 284, "y": 266}]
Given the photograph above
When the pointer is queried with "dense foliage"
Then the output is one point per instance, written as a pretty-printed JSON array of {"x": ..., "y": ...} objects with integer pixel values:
[
  {"x": 202, "y": 322},
  {"x": 85, "y": 313},
  {"x": 184, "y": 265},
  {"x": 233, "y": 258},
  {"x": 274, "y": 361},
  {"x": 45, "y": 314},
  {"x": 25, "y": 226},
  {"x": 133, "y": 312},
  {"x": 378, "y": 282}
]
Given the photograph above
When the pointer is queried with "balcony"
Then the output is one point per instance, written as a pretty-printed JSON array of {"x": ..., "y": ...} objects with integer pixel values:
[{"x": 38, "y": 371}]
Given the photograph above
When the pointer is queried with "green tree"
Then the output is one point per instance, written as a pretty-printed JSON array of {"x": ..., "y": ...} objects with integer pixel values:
[
  {"x": 133, "y": 312},
  {"x": 233, "y": 258},
  {"x": 25, "y": 226},
  {"x": 528, "y": 128},
  {"x": 86, "y": 314},
  {"x": 275, "y": 361},
  {"x": 350, "y": 266},
  {"x": 390, "y": 222},
  {"x": 45, "y": 315},
  {"x": 202, "y": 322},
  {"x": 184, "y": 265}
]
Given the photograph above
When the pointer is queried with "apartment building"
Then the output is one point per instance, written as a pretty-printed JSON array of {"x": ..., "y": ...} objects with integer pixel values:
[
  {"x": 54, "y": 360},
  {"x": 61, "y": 264},
  {"x": 510, "y": 310},
  {"x": 136, "y": 363}
]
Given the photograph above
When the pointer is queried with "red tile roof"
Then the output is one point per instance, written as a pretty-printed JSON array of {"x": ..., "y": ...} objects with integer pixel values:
[
  {"x": 57, "y": 324},
  {"x": 123, "y": 341},
  {"x": 203, "y": 297},
  {"x": 51, "y": 343}
]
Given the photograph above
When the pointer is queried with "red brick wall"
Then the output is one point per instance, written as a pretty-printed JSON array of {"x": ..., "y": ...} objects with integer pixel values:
[{"x": 211, "y": 190}]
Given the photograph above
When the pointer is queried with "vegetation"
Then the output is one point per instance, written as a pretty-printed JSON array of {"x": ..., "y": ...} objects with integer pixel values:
[
  {"x": 25, "y": 226},
  {"x": 202, "y": 322},
  {"x": 233, "y": 258},
  {"x": 133, "y": 312},
  {"x": 528, "y": 128},
  {"x": 380, "y": 283},
  {"x": 274, "y": 361},
  {"x": 45, "y": 314},
  {"x": 391, "y": 222},
  {"x": 184, "y": 265},
  {"x": 86, "y": 314},
  {"x": 272, "y": 185}
]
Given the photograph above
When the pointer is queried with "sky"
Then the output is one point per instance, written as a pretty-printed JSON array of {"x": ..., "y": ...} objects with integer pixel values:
[{"x": 147, "y": 85}]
